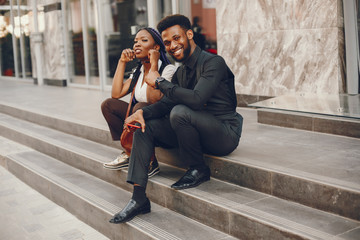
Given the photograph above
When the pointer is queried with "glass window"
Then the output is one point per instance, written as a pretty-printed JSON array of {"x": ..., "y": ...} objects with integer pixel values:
[
  {"x": 83, "y": 44},
  {"x": 15, "y": 39},
  {"x": 122, "y": 19},
  {"x": 22, "y": 34},
  {"x": 203, "y": 17},
  {"x": 6, "y": 41},
  {"x": 92, "y": 39},
  {"x": 76, "y": 43}
]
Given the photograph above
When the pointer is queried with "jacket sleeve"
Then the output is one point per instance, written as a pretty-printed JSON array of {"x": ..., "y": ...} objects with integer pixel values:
[
  {"x": 214, "y": 70},
  {"x": 158, "y": 109}
]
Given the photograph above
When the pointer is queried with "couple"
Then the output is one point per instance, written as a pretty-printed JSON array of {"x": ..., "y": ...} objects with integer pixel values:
[{"x": 196, "y": 113}]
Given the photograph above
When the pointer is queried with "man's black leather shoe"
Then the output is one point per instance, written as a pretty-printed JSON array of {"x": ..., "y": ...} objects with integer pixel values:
[
  {"x": 131, "y": 210},
  {"x": 192, "y": 178}
]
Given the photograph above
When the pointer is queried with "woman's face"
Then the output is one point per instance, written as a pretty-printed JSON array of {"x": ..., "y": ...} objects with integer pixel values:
[{"x": 143, "y": 42}]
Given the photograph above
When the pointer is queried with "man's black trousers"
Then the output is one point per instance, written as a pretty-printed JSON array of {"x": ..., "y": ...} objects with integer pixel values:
[{"x": 194, "y": 132}]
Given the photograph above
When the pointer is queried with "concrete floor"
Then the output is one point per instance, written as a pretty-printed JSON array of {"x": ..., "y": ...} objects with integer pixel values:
[{"x": 26, "y": 214}]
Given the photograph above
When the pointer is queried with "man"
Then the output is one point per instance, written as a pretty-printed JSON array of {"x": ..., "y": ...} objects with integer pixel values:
[{"x": 197, "y": 114}]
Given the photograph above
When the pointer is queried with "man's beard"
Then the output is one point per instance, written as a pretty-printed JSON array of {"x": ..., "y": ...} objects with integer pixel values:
[{"x": 186, "y": 53}]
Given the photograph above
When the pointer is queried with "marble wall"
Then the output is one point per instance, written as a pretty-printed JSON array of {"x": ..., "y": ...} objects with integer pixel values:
[{"x": 280, "y": 47}]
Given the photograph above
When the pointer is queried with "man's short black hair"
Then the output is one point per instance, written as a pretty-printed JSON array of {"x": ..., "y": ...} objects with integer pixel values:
[{"x": 172, "y": 20}]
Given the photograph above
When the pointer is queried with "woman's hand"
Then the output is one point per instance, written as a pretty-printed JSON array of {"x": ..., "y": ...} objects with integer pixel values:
[
  {"x": 127, "y": 55},
  {"x": 135, "y": 117},
  {"x": 119, "y": 87}
]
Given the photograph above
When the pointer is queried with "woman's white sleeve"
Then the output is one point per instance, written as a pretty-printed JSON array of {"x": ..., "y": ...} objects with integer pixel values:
[{"x": 168, "y": 72}]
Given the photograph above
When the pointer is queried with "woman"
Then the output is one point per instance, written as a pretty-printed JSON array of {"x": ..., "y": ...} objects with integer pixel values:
[{"x": 150, "y": 50}]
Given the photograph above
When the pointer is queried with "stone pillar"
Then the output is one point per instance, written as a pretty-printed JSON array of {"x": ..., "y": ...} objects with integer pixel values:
[
  {"x": 53, "y": 49},
  {"x": 36, "y": 45},
  {"x": 281, "y": 47}
]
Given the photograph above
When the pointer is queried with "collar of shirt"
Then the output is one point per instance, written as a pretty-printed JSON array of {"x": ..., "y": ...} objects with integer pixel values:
[{"x": 191, "y": 62}]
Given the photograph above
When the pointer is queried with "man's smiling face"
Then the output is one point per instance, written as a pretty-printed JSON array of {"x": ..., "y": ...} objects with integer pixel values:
[{"x": 177, "y": 43}]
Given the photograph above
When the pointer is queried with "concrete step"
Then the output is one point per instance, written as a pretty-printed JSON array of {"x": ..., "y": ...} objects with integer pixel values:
[
  {"x": 94, "y": 201},
  {"x": 92, "y": 131},
  {"x": 337, "y": 125},
  {"x": 337, "y": 114},
  {"x": 231, "y": 209},
  {"x": 285, "y": 171}
]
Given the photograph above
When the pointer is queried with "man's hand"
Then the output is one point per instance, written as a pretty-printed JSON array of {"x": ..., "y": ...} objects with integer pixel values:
[
  {"x": 127, "y": 55},
  {"x": 136, "y": 117}
]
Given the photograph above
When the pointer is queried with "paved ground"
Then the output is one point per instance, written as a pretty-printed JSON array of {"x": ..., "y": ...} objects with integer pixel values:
[{"x": 26, "y": 214}]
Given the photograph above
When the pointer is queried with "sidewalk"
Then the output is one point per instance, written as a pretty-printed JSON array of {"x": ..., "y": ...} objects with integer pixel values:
[{"x": 26, "y": 214}]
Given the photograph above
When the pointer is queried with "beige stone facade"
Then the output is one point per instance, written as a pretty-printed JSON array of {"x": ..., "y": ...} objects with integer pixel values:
[{"x": 281, "y": 47}]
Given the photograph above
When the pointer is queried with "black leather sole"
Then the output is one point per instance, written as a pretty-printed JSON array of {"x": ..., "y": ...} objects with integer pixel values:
[
  {"x": 144, "y": 210},
  {"x": 191, "y": 186}
]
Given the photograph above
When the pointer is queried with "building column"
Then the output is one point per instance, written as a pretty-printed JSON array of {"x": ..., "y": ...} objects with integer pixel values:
[{"x": 37, "y": 39}]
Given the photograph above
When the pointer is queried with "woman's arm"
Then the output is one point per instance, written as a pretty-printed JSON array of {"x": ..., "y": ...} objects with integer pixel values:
[
  {"x": 119, "y": 87},
  {"x": 167, "y": 73},
  {"x": 153, "y": 95}
]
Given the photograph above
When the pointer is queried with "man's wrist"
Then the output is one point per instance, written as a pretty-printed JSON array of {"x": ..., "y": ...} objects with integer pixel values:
[{"x": 158, "y": 81}]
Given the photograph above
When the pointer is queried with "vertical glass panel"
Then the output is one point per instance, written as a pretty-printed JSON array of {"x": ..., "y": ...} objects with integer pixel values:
[
  {"x": 83, "y": 43},
  {"x": 122, "y": 19},
  {"x": 92, "y": 23},
  {"x": 203, "y": 15},
  {"x": 76, "y": 42},
  {"x": 162, "y": 8},
  {"x": 22, "y": 33},
  {"x": 17, "y": 34},
  {"x": 166, "y": 8},
  {"x": 6, "y": 43}
]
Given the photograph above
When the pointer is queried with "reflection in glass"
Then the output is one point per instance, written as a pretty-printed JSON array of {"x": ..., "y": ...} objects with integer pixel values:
[
  {"x": 22, "y": 32},
  {"x": 6, "y": 44},
  {"x": 203, "y": 17},
  {"x": 83, "y": 43},
  {"x": 76, "y": 42},
  {"x": 92, "y": 22}
]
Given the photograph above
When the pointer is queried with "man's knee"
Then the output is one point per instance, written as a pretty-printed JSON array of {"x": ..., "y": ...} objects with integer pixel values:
[
  {"x": 150, "y": 125},
  {"x": 179, "y": 114}
]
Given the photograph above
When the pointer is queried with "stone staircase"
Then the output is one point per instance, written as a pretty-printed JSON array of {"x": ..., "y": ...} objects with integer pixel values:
[{"x": 266, "y": 189}]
